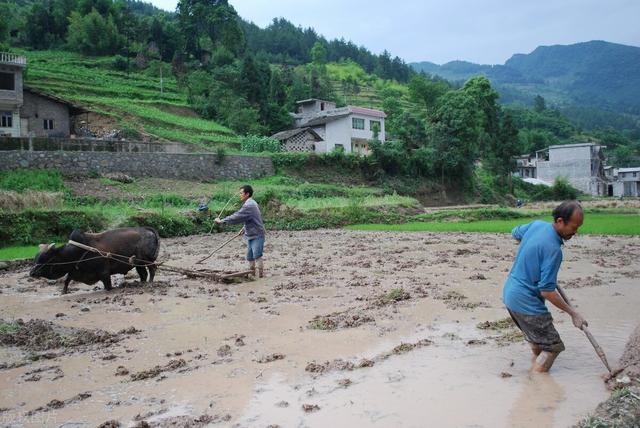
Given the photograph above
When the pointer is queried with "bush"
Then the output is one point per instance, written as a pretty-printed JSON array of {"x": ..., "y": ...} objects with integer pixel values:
[
  {"x": 36, "y": 227},
  {"x": 131, "y": 133},
  {"x": 560, "y": 191},
  {"x": 220, "y": 155},
  {"x": 167, "y": 225},
  {"x": 167, "y": 199},
  {"x": 258, "y": 144},
  {"x": 24, "y": 179},
  {"x": 337, "y": 163},
  {"x": 120, "y": 63}
]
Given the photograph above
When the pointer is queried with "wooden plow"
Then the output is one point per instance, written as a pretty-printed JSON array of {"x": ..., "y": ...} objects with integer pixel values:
[{"x": 217, "y": 276}]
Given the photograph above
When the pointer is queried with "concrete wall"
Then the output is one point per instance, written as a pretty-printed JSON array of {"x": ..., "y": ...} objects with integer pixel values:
[
  {"x": 576, "y": 171},
  {"x": 559, "y": 154},
  {"x": 92, "y": 145},
  {"x": 163, "y": 165},
  {"x": 36, "y": 109},
  {"x": 366, "y": 133},
  {"x": 341, "y": 131},
  {"x": 338, "y": 132},
  {"x": 576, "y": 164}
]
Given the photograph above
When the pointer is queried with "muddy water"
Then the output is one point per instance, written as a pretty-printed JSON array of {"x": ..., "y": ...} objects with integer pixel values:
[
  {"x": 223, "y": 332},
  {"x": 450, "y": 384}
]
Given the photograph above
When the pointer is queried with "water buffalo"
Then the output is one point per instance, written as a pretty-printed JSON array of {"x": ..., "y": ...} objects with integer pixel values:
[{"x": 120, "y": 251}]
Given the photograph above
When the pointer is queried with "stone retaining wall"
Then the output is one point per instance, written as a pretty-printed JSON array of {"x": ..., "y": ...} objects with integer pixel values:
[{"x": 163, "y": 165}]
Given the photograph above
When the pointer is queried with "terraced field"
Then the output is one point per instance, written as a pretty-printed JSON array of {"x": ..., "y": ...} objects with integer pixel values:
[{"x": 134, "y": 99}]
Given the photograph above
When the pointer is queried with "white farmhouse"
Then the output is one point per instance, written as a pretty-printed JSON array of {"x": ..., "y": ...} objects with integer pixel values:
[{"x": 327, "y": 128}]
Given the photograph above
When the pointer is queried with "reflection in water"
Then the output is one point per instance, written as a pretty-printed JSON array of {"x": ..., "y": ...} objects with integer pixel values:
[{"x": 539, "y": 399}]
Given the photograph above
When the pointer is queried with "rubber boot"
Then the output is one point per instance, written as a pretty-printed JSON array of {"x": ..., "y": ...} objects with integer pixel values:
[
  {"x": 260, "y": 268},
  {"x": 252, "y": 267}
]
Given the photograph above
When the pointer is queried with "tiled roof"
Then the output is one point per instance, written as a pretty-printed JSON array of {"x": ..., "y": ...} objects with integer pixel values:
[
  {"x": 285, "y": 135},
  {"x": 367, "y": 111},
  {"x": 74, "y": 107}
]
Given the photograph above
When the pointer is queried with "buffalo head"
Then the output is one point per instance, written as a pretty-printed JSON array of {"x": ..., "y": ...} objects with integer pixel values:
[{"x": 43, "y": 266}]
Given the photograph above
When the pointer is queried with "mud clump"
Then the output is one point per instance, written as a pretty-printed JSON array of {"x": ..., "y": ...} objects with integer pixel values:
[
  {"x": 110, "y": 424},
  {"x": 346, "y": 382},
  {"x": 122, "y": 371},
  {"x": 270, "y": 358},
  {"x": 455, "y": 300},
  {"x": 589, "y": 281},
  {"x": 58, "y": 404},
  {"x": 308, "y": 408},
  {"x": 621, "y": 410},
  {"x": 403, "y": 348},
  {"x": 185, "y": 421},
  {"x": 337, "y": 364},
  {"x": 52, "y": 372},
  {"x": 496, "y": 325},
  {"x": 393, "y": 296},
  {"x": 151, "y": 373},
  {"x": 628, "y": 372},
  {"x": 224, "y": 351},
  {"x": 40, "y": 335},
  {"x": 506, "y": 329},
  {"x": 339, "y": 320}
]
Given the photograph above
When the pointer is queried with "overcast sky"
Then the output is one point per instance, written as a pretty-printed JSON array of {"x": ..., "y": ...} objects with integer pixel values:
[{"x": 480, "y": 31}]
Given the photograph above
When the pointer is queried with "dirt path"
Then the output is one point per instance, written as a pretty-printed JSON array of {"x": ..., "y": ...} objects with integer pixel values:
[{"x": 354, "y": 328}]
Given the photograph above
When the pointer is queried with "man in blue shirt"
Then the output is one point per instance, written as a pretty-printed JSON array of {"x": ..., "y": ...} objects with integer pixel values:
[
  {"x": 533, "y": 280},
  {"x": 254, "y": 231}
]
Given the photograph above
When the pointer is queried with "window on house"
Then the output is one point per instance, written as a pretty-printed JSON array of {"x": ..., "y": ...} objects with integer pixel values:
[
  {"x": 7, "y": 81},
  {"x": 321, "y": 106},
  {"x": 48, "y": 124},
  {"x": 357, "y": 123},
  {"x": 6, "y": 119},
  {"x": 373, "y": 124}
]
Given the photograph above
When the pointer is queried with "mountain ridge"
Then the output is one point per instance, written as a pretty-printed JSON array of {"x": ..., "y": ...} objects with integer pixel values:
[{"x": 596, "y": 73}]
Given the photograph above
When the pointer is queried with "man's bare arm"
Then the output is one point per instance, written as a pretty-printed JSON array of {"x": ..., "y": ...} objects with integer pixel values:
[{"x": 557, "y": 300}]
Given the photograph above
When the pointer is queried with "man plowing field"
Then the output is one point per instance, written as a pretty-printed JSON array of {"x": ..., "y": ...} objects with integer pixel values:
[
  {"x": 254, "y": 231},
  {"x": 533, "y": 280}
]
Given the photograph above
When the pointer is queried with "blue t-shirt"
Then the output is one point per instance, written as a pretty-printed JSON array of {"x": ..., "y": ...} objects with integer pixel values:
[{"x": 535, "y": 268}]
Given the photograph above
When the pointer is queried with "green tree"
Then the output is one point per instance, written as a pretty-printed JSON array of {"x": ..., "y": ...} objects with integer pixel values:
[
  {"x": 500, "y": 159},
  {"x": 93, "y": 34},
  {"x": 319, "y": 53},
  {"x": 4, "y": 31},
  {"x": 425, "y": 92},
  {"x": 213, "y": 20},
  {"x": 454, "y": 135},
  {"x": 626, "y": 156},
  {"x": 539, "y": 104}
]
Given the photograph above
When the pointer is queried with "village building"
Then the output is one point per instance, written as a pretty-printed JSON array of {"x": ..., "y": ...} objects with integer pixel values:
[
  {"x": 582, "y": 165},
  {"x": 27, "y": 112},
  {"x": 319, "y": 126},
  {"x": 624, "y": 182}
]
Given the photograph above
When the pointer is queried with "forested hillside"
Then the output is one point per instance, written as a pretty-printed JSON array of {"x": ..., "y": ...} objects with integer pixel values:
[
  {"x": 241, "y": 79},
  {"x": 595, "y": 83}
]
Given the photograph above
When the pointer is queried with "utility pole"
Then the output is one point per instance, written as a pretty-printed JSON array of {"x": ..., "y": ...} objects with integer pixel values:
[{"x": 161, "y": 86}]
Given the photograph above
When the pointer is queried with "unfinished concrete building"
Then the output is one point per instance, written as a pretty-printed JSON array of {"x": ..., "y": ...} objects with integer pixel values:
[
  {"x": 582, "y": 165},
  {"x": 624, "y": 182}
]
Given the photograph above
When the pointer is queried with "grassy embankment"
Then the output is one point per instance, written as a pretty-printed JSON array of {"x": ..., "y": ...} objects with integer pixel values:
[
  {"x": 133, "y": 100},
  {"x": 597, "y": 222},
  {"x": 29, "y": 200}
]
